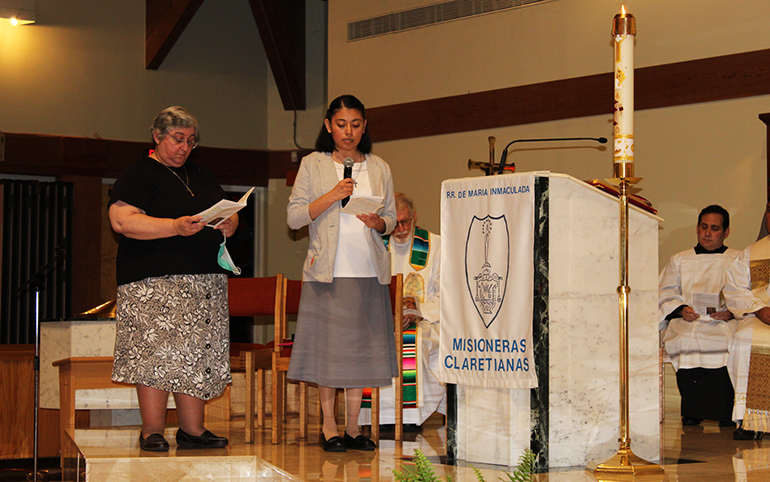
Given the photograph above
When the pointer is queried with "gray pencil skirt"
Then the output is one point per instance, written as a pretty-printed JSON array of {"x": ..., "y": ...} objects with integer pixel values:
[{"x": 344, "y": 336}]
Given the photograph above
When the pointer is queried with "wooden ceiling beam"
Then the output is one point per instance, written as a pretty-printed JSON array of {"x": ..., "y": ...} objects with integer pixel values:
[
  {"x": 281, "y": 25},
  {"x": 165, "y": 20}
]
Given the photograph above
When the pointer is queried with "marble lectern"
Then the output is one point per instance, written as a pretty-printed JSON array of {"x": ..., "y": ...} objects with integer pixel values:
[{"x": 572, "y": 418}]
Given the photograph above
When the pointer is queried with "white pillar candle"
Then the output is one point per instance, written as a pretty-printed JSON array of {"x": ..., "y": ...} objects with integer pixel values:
[{"x": 623, "y": 33}]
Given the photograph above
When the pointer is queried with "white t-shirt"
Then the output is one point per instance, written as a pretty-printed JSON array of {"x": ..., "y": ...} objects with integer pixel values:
[{"x": 354, "y": 257}]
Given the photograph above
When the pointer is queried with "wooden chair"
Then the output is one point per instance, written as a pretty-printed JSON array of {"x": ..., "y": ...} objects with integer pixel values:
[
  {"x": 253, "y": 359},
  {"x": 254, "y": 297},
  {"x": 397, "y": 304},
  {"x": 291, "y": 290}
]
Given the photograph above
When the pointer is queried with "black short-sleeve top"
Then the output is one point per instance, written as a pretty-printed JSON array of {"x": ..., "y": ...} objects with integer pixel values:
[{"x": 152, "y": 187}]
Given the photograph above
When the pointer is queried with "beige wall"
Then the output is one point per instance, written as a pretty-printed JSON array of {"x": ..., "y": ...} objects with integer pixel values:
[
  {"x": 536, "y": 43},
  {"x": 286, "y": 248},
  {"x": 280, "y": 132},
  {"x": 689, "y": 156},
  {"x": 79, "y": 71}
]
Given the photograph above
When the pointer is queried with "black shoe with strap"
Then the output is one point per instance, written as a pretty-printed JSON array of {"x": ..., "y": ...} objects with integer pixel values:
[
  {"x": 334, "y": 444},
  {"x": 206, "y": 440}
]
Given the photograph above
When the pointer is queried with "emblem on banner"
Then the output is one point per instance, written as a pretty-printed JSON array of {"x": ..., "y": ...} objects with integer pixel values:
[{"x": 487, "y": 255}]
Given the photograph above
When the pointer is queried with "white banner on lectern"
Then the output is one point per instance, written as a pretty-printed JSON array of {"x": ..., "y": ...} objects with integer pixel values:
[{"x": 487, "y": 237}]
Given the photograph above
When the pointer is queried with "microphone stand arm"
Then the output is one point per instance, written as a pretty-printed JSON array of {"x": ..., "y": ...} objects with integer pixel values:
[
  {"x": 491, "y": 166},
  {"x": 504, "y": 154}
]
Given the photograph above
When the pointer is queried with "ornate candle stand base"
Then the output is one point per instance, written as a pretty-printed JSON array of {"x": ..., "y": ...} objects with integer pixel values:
[{"x": 625, "y": 462}]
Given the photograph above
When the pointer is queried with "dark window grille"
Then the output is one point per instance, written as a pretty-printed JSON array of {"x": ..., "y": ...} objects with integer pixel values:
[{"x": 36, "y": 255}]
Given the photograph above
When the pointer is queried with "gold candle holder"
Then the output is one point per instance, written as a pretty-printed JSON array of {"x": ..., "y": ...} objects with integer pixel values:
[
  {"x": 624, "y": 23},
  {"x": 624, "y": 462}
]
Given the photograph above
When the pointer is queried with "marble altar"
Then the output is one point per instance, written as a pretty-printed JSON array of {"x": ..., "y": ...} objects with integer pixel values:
[{"x": 85, "y": 338}]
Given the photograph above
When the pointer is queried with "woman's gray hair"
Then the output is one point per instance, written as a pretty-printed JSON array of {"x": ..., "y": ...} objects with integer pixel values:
[{"x": 171, "y": 118}]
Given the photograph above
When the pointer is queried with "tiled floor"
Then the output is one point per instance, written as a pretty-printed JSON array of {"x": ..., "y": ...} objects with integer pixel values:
[{"x": 703, "y": 454}]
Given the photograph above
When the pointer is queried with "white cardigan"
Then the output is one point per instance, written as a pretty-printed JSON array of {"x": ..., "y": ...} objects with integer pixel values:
[{"x": 317, "y": 176}]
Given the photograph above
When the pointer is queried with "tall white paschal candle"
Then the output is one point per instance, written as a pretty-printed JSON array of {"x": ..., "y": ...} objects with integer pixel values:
[{"x": 623, "y": 33}]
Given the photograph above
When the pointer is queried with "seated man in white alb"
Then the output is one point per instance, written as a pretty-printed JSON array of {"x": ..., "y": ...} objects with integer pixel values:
[
  {"x": 696, "y": 325},
  {"x": 748, "y": 298},
  {"x": 415, "y": 253}
]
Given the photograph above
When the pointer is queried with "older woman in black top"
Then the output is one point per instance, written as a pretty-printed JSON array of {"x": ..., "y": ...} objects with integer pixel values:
[{"x": 173, "y": 333}]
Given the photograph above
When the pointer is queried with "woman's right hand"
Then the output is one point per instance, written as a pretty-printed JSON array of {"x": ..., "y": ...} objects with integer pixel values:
[
  {"x": 340, "y": 191},
  {"x": 343, "y": 189},
  {"x": 188, "y": 225}
]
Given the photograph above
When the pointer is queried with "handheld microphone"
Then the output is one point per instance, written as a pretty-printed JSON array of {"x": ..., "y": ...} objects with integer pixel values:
[
  {"x": 347, "y": 173},
  {"x": 504, "y": 155}
]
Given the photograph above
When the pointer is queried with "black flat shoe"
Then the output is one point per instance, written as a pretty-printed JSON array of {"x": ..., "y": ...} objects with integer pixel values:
[
  {"x": 206, "y": 440},
  {"x": 334, "y": 444},
  {"x": 691, "y": 421},
  {"x": 153, "y": 443},
  {"x": 358, "y": 443},
  {"x": 742, "y": 434}
]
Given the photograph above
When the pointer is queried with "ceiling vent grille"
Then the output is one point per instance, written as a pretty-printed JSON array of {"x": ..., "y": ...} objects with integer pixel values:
[{"x": 429, "y": 15}]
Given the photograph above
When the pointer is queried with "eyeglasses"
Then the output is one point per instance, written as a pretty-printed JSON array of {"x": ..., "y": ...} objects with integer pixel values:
[
  {"x": 404, "y": 223},
  {"x": 179, "y": 140}
]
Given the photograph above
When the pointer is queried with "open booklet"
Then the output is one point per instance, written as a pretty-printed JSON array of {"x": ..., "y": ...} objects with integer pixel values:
[
  {"x": 222, "y": 210},
  {"x": 363, "y": 205},
  {"x": 705, "y": 304}
]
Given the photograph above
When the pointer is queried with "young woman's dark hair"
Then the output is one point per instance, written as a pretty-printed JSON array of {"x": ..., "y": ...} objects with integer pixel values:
[{"x": 325, "y": 143}]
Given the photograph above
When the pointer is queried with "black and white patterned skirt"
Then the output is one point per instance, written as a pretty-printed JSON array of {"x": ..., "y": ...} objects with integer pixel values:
[{"x": 173, "y": 334}]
